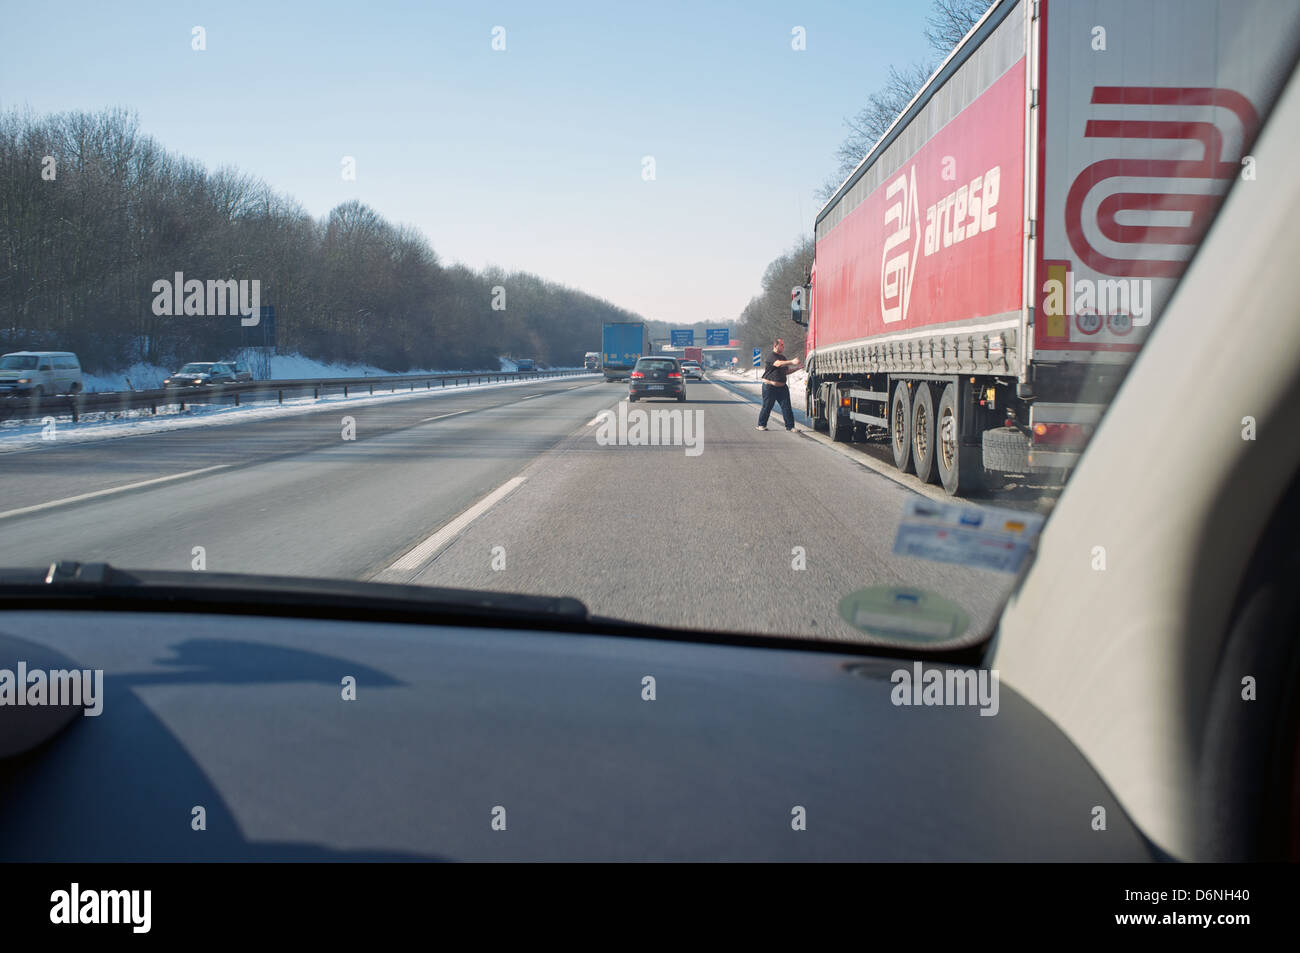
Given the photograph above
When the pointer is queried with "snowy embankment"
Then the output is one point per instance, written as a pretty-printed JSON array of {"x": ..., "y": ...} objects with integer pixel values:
[
  {"x": 29, "y": 435},
  {"x": 284, "y": 367}
]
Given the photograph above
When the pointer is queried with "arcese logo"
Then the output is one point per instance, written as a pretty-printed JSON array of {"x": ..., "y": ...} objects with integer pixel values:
[{"x": 967, "y": 211}]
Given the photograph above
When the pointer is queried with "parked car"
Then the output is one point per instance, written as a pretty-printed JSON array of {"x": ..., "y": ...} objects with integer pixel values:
[
  {"x": 37, "y": 373},
  {"x": 693, "y": 370},
  {"x": 240, "y": 370},
  {"x": 656, "y": 377},
  {"x": 197, "y": 375}
]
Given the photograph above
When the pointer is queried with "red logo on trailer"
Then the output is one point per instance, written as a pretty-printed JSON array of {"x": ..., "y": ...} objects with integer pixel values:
[{"x": 1167, "y": 193}]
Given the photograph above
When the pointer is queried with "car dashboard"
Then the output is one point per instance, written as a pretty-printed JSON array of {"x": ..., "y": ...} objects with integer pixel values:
[{"x": 235, "y": 737}]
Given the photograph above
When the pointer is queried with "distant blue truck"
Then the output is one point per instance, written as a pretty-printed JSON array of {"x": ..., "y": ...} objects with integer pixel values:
[
  {"x": 525, "y": 364},
  {"x": 622, "y": 345}
]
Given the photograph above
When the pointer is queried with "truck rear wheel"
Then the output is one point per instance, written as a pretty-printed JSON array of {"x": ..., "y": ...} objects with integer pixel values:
[
  {"x": 923, "y": 433},
  {"x": 961, "y": 469},
  {"x": 835, "y": 426},
  {"x": 900, "y": 426}
]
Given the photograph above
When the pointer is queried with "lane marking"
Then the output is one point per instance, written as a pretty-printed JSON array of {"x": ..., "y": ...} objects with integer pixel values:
[
  {"x": 423, "y": 552},
  {"x": 445, "y": 416},
  {"x": 530, "y": 396},
  {"x": 109, "y": 492}
]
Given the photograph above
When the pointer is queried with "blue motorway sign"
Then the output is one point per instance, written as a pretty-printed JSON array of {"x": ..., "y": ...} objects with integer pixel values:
[
  {"x": 683, "y": 338},
  {"x": 717, "y": 337}
]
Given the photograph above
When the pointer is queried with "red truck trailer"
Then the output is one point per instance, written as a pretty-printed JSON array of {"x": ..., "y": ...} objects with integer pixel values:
[
  {"x": 693, "y": 354},
  {"x": 985, "y": 276}
]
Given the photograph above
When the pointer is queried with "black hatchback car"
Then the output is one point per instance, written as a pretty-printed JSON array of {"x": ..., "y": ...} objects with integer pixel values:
[{"x": 657, "y": 377}]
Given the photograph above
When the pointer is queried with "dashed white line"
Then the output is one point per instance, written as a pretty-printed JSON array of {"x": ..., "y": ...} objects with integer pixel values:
[
  {"x": 423, "y": 552},
  {"x": 21, "y": 511}
]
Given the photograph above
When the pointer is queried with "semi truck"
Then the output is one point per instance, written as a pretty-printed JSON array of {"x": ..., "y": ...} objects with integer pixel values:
[
  {"x": 985, "y": 276},
  {"x": 693, "y": 354},
  {"x": 622, "y": 344}
]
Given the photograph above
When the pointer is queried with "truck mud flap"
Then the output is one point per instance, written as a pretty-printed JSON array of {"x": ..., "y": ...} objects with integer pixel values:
[{"x": 1006, "y": 449}]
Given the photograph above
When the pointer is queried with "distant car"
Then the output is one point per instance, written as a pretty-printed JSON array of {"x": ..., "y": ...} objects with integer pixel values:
[
  {"x": 240, "y": 370},
  {"x": 657, "y": 377},
  {"x": 198, "y": 375},
  {"x": 692, "y": 369},
  {"x": 37, "y": 373},
  {"x": 525, "y": 364}
]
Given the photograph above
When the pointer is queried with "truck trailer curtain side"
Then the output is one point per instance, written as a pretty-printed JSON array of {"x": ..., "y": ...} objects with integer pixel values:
[{"x": 986, "y": 274}]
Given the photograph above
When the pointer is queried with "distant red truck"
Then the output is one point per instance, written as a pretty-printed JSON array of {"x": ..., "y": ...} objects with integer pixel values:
[{"x": 694, "y": 354}]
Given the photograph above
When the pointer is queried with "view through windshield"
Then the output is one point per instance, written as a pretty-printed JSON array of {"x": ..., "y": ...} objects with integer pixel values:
[{"x": 905, "y": 253}]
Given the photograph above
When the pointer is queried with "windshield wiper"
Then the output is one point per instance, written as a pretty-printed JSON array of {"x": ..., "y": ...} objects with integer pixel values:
[{"x": 68, "y": 584}]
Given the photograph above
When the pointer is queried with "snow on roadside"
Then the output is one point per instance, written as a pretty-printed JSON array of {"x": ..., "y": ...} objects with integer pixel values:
[
  {"x": 18, "y": 436},
  {"x": 142, "y": 377},
  {"x": 284, "y": 367}
]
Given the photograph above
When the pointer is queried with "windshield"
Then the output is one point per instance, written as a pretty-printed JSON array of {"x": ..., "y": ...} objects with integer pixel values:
[{"x": 917, "y": 251}]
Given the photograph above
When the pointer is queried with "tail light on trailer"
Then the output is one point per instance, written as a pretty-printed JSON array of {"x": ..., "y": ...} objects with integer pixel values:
[{"x": 1061, "y": 435}]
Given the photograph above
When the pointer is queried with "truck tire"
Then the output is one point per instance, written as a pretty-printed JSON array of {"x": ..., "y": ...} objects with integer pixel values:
[
  {"x": 1005, "y": 449},
  {"x": 810, "y": 408},
  {"x": 923, "y": 433},
  {"x": 961, "y": 469},
  {"x": 834, "y": 425},
  {"x": 900, "y": 426}
]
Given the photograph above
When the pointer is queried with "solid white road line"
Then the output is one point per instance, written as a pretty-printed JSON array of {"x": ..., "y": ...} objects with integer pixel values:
[
  {"x": 426, "y": 550},
  {"x": 109, "y": 492}
]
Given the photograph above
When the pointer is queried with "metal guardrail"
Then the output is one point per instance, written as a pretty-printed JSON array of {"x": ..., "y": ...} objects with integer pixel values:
[{"x": 253, "y": 391}]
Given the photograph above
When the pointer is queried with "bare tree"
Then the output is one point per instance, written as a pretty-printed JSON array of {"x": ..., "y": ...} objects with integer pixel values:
[
  {"x": 947, "y": 23},
  {"x": 871, "y": 122},
  {"x": 950, "y": 20}
]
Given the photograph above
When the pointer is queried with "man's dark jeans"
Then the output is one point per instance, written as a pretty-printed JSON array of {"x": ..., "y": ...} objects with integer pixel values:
[{"x": 776, "y": 395}]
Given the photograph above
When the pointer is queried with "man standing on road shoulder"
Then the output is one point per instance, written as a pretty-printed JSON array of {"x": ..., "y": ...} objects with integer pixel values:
[{"x": 774, "y": 387}]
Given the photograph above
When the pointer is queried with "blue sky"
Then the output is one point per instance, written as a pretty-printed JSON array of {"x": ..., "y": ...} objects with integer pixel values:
[{"x": 528, "y": 158}]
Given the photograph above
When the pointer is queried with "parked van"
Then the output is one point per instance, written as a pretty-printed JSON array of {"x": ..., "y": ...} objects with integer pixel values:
[{"x": 39, "y": 373}]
